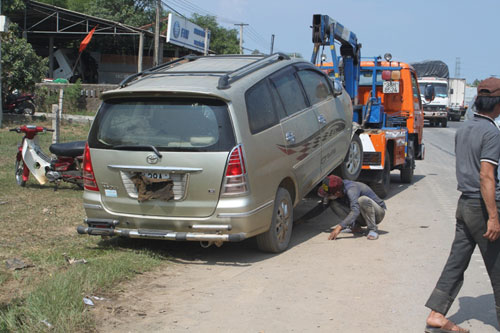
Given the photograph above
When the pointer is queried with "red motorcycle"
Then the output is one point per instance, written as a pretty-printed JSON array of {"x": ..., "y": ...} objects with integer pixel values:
[
  {"x": 65, "y": 166},
  {"x": 19, "y": 103}
]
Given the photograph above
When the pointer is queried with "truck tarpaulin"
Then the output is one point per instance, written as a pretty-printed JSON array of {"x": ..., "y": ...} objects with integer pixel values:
[{"x": 434, "y": 68}]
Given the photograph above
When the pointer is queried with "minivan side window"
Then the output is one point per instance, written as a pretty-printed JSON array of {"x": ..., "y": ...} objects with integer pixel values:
[
  {"x": 260, "y": 107},
  {"x": 289, "y": 90},
  {"x": 316, "y": 86}
]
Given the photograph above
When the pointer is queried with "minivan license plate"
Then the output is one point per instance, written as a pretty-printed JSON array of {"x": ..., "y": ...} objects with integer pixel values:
[{"x": 157, "y": 175}]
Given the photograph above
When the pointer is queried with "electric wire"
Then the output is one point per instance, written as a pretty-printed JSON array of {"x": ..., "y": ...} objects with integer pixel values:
[{"x": 189, "y": 8}]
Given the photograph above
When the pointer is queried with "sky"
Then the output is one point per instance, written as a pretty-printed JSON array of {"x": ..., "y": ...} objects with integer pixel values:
[{"x": 411, "y": 31}]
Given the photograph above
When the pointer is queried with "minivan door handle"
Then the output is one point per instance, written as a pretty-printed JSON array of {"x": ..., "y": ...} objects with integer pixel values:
[
  {"x": 290, "y": 137},
  {"x": 322, "y": 119}
]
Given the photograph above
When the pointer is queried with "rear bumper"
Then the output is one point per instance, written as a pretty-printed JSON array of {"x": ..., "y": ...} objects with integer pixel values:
[
  {"x": 158, "y": 234},
  {"x": 233, "y": 220},
  {"x": 435, "y": 114}
]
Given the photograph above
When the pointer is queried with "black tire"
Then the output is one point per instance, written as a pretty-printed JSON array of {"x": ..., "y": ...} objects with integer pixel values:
[
  {"x": 409, "y": 166},
  {"x": 278, "y": 236},
  {"x": 444, "y": 122},
  {"x": 19, "y": 173},
  {"x": 382, "y": 188},
  {"x": 27, "y": 108},
  {"x": 351, "y": 166}
]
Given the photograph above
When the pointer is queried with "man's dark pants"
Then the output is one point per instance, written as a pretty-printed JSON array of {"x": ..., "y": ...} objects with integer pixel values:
[{"x": 471, "y": 218}]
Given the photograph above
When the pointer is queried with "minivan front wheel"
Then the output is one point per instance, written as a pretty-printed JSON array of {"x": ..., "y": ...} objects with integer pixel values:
[
  {"x": 278, "y": 236},
  {"x": 351, "y": 166}
]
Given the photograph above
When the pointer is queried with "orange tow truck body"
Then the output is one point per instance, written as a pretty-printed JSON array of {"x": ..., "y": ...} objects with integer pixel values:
[{"x": 399, "y": 136}]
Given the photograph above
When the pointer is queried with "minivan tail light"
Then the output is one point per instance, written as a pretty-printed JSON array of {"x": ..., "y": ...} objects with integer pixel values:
[
  {"x": 89, "y": 182},
  {"x": 235, "y": 180}
]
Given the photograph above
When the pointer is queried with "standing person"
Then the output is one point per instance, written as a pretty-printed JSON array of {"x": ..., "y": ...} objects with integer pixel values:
[
  {"x": 351, "y": 199},
  {"x": 477, "y": 150}
]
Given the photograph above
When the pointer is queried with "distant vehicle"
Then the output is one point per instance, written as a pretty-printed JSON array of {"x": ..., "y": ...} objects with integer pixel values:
[
  {"x": 456, "y": 100},
  {"x": 436, "y": 112},
  {"x": 213, "y": 149},
  {"x": 435, "y": 73},
  {"x": 19, "y": 103}
]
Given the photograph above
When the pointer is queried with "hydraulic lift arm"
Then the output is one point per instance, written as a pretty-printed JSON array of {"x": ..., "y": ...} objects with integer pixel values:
[{"x": 325, "y": 32}]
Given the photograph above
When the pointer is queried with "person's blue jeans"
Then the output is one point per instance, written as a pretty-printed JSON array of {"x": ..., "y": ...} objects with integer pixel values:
[{"x": 471, "y": 218}]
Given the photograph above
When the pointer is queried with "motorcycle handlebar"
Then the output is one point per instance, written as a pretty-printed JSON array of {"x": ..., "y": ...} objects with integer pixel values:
[
  {"x": 15, "y": 130},
  {"x": 49, "y": 129}
]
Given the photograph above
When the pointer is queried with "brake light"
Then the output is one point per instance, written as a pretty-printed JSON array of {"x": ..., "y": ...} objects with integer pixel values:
[
  {"x": 89, "y": 181},
  {"x": 235, "y": 180}
]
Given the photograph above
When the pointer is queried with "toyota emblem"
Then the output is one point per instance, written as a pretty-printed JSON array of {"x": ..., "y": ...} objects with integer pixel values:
[{"x": 152, "y": 159}]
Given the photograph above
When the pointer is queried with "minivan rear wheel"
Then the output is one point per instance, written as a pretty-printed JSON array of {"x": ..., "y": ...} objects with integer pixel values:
[{"x": 278, "y": 236}]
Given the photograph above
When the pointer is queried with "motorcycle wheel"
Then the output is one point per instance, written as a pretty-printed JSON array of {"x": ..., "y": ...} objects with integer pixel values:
[
  {"x": 27, "y": 107},
  {"x": 19, "y": 173}
]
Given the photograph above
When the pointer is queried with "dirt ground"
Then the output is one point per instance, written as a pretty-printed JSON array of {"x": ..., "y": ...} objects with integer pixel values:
[{"x": 348, "y": 285}]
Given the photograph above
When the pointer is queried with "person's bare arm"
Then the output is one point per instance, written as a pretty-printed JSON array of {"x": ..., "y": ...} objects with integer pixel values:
[{"x": 487, "y": 180}]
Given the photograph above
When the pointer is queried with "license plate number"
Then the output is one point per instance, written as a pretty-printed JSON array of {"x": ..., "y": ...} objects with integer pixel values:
[
  {"x": 391, "y": 87},
  {"x": 157, "y": 175}
]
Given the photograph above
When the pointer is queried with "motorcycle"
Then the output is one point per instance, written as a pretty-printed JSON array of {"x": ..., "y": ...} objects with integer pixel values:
[
  {"x": 19, "y": 104},
  {"x": 65, "y": 166}
]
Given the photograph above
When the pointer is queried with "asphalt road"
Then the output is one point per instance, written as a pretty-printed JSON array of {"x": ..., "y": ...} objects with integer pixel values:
[{"x": 347, "y": 285}]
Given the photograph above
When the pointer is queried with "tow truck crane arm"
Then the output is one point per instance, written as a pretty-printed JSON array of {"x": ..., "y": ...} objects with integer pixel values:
[{"x": 325, "y": 32}]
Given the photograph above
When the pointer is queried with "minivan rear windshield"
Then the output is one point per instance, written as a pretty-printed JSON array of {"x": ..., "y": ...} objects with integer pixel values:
[{"x": 187, "y": 124}]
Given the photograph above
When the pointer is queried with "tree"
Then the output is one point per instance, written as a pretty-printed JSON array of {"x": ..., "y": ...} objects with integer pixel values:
[
  {"x": 222, "y": 40},
  {"x": 21, "y": 66}
]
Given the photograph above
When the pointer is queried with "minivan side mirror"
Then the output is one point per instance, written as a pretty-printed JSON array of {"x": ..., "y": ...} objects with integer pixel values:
[
  {"x": 337, "y": 88},
  {"x": 429, "y": 93}
]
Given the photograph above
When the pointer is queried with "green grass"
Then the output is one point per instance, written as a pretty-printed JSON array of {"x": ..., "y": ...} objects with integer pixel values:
[{"x": 38, "y": 226}]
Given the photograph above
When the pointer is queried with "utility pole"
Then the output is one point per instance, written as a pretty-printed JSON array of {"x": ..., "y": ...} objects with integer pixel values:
[
  {"x": 157, "y": 35},
  {"x": 272, "y": 44},
  {"x": 457, "y": 67},
  {"x": 241, "y": 36},
  {"x": 205, "y": 50}
]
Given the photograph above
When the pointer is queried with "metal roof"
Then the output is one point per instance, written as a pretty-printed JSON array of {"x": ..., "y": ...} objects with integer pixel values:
[{"x": 43, "y": 19}]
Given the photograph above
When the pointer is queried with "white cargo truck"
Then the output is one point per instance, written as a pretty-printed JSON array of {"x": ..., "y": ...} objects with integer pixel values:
[
  {"x": 435, "y": 73},
  {"x": 435, "y": 112},
  {"x": 456, "y": 98}
]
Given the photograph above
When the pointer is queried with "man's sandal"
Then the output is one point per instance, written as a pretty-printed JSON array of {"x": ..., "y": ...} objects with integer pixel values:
[{"x": 446, "y": 328}]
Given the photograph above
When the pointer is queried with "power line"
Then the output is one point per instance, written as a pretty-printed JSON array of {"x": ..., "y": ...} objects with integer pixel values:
[{"x": 189, "y": 8}]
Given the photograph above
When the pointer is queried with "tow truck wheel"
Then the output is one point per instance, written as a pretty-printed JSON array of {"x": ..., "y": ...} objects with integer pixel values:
[
  {"x": 444, "y": 122},
  {"x": 278, "y": 236},
  {"x": 351, "y": 166},
  {"x": 382, "y": 188},
  {"x": 409, "y": 166}
]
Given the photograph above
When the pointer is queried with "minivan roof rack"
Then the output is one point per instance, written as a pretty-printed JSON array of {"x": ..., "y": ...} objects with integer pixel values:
[
  {"x": 151, "y": 70},
  {"x": 226, "y": 78}
]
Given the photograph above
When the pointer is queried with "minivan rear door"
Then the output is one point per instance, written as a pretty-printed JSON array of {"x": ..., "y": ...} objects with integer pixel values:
[{"x": 187, "y": 140}]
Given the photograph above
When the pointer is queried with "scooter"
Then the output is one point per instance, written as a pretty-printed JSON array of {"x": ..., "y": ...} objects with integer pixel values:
[
  {"x": 65, "y": 166},
  {"x": 19, "y": 104}
]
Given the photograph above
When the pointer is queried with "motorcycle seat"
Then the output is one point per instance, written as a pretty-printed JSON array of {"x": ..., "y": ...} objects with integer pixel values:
[{"x": 69, "y": 149}]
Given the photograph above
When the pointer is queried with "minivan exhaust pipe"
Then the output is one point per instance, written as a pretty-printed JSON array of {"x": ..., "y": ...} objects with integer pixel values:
[{"x": 206, "y": 244}]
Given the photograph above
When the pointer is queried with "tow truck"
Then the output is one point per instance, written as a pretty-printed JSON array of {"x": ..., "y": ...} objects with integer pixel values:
[{"x": 386, "y": 102}]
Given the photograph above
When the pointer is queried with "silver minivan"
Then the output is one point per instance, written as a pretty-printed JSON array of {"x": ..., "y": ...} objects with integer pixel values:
[{"x": 215, "y": 149}]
